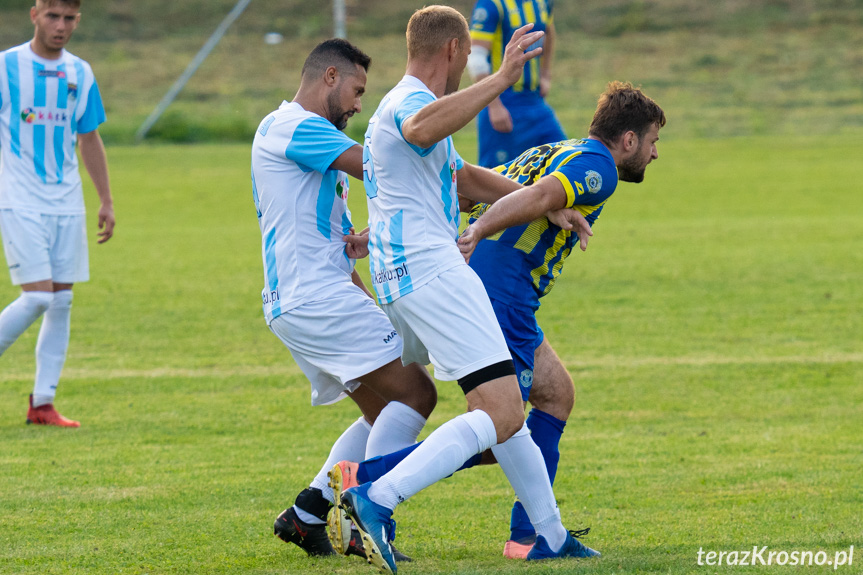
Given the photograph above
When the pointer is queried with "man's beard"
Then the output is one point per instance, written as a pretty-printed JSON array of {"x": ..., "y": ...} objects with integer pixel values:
[
  {"x": 632, "y": 170},
  {"x": 337, "y": 115}
]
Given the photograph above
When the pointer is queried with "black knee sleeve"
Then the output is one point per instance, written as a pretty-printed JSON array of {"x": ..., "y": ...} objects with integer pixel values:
[{"x": 473, "y": 380}]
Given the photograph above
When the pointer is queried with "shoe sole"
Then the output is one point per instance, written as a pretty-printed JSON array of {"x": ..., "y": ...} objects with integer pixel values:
[
  {"x": 515, "y": 550},
  {"x": 373, "y": 552},
  {"x": 338, "y": 526},
  {"x": 71, "y": 425}
]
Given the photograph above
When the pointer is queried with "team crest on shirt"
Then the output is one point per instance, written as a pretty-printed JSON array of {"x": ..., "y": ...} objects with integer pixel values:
[
  {"x": 526, "y": 378},
  {"x": 480, "y": 15},
  {"x": 593, "y": 181},
  {"x": 72, "y": 89}
]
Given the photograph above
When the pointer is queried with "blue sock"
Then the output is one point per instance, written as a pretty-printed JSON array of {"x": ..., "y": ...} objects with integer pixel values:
[
  {"x": 374, "y": 468},
  {"x": 546, "y": 431}
]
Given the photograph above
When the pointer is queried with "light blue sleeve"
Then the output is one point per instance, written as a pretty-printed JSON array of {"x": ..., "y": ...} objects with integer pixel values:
[
  {"x": 317, "y": 143},
  {"x": 407, "y": 108},
  {"x": 95, "y": 112}
]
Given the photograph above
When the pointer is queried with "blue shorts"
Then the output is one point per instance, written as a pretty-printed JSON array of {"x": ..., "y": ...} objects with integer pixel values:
[
  {"x": 533, "y": 124},
  {"x": 523, "y": 335}
]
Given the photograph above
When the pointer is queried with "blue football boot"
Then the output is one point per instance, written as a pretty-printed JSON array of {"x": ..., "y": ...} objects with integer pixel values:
[
  {"x": 375, "y": 524},
  {"x": 572, "y": 547}
]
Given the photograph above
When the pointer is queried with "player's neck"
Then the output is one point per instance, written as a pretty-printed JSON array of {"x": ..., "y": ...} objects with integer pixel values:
[
  {"x": 311, "y": 102},
  {"x": 44, "y": 51},
  {"x": 434, "y": 77}
]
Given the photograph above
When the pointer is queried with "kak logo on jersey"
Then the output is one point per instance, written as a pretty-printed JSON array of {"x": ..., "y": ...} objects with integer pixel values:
[
  {"x": 43, "y": 117},
  {"x": 593, "y": 181}
]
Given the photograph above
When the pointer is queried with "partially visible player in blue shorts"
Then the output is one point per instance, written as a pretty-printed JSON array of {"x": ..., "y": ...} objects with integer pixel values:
[
  {"x": 520, "y": 118},
  {"x": 519, "y": 265}
]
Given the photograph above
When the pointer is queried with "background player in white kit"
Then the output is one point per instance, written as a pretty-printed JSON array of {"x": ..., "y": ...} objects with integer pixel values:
[
  {"x": 413, "y": 177},
  {"x": 49, "y": 101},
  {"x": 314, "y": 300}
]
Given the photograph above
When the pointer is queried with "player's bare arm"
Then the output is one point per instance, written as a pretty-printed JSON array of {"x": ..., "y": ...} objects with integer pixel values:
[
  {"x": 95, "y": 161},
  {"x": 481, "y": 185},
  {"x": 451, "y": 113},
  {"x": 519, "y": 207},
  {"x": 350, "y": 161},
  {"x": 484, "y": 185}
]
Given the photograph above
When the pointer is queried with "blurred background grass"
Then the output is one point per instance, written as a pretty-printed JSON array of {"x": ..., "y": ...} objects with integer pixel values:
[{"x": 730, "y": 68}]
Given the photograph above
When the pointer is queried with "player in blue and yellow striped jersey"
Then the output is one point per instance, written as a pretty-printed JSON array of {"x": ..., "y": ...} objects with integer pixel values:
[
  {"x": 520, "y": 118},
  {"x": 519, "y": 264}
]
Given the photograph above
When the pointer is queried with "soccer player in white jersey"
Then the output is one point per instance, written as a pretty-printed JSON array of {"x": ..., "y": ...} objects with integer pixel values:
[
  {"x": 313, "y": 298},
  {"x": 413, "y": 177},
  {"x": 49, "y": 102}
]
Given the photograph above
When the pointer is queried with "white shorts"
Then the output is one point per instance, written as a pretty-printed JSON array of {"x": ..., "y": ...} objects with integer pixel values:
[
  {"x": 42, "y": 247},
  {"x": 338, "y": 340},
  {"x": 449, "y": 322}
]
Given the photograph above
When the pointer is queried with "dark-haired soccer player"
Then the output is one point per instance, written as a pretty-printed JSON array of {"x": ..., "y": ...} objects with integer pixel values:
[
  {"x": 521, "y": 264},
  {"x": 49, "y": 104},
  {"x": 313, "y": 299}
]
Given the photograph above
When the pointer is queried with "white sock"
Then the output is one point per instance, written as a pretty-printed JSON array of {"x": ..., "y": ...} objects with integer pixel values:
[
  {"x": 522, "y": 463},
  {"x": 20, "y": 314},
  {"x": 51, "y": 347},
  {"x": 396, "y": 427},
  {"x": 350, "y": 446},
  {"x": 440, "y": 455}
]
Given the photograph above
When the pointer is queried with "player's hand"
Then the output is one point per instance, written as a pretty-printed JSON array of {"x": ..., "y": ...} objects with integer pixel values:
[
  {"x": 515, "y": 57},
  {"x": 465, "y": 204},
  {"x": 106, "y": 223},
  {"x": 467, "y": 242},
  {"x": 572, "y": 220},
  {"x": 499, "y": 116},
  {"x": 357, "y": 245}
]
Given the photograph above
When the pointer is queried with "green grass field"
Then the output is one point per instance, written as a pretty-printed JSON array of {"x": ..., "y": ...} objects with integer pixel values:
[{"x": 713, "y": 329}]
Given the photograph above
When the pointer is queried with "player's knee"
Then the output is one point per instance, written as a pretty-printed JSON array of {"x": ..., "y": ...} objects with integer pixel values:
[
  {"x": 422, "y": 395},
  {"x": 554, "y": 400},
  {"x": 507, "y": 422}
]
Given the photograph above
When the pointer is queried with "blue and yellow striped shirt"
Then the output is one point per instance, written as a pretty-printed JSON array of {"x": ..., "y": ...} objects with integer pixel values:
[
  {"x": 495, "y": 20},
  {"x": 520, "y": 264}
]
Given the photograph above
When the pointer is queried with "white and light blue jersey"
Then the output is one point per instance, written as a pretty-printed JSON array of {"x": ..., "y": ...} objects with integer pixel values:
[
  {"x": 44, "y": 105},
  {"x": 302, "y": 207},
  {"x": 412, "y": 197}
]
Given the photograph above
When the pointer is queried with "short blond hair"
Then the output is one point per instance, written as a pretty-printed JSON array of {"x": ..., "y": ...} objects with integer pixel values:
[
  {"x": 433, "y": 26},
  {"x": 75, "y": 4}
]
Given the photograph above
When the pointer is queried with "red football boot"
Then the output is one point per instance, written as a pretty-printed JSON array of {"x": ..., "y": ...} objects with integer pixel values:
[{"x": 47, "y": 415}]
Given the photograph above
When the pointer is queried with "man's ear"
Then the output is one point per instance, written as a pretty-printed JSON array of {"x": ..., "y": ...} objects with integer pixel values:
[
  {"x": 452, "y": 48},
  {"x": 629, "y": 141},
  {"x": 331, "y": 76}
]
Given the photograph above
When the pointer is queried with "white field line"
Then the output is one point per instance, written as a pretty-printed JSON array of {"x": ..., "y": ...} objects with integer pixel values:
[{"x": 289, "y": 370}]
